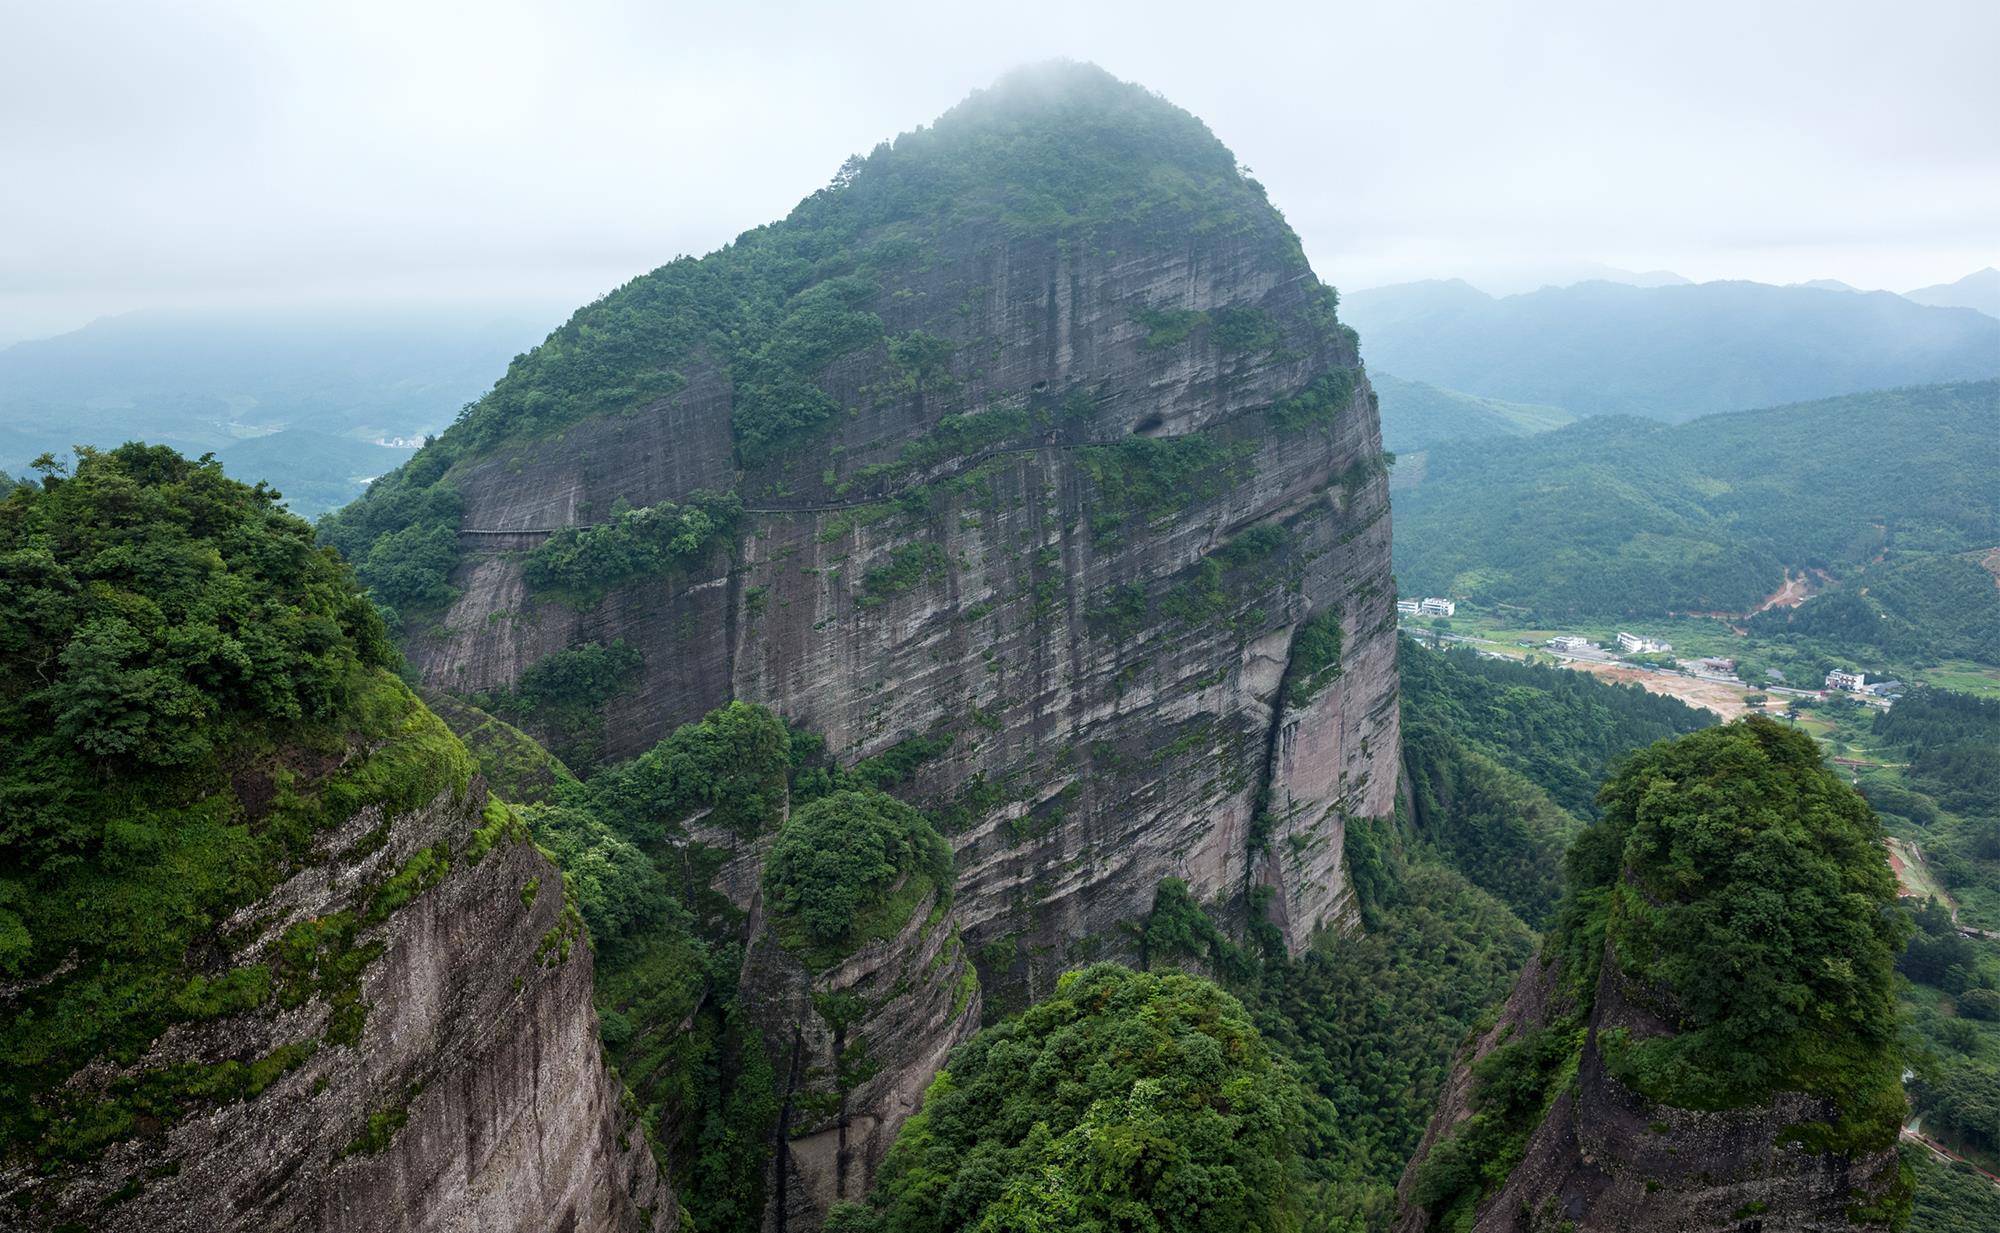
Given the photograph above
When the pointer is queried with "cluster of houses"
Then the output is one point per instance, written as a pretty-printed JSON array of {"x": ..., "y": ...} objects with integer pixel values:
[
  {"x": 1857, "y": 683},
  {"x": 1428, "y": 606},
  {"x": 1631, "y": 644},
  {"x": 1635, "y": 644}
]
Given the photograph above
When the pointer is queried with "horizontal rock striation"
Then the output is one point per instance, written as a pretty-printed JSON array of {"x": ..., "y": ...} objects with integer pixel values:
[
  {"x": 474, "y": 1095},
  {"x": 895, "y": 584}
]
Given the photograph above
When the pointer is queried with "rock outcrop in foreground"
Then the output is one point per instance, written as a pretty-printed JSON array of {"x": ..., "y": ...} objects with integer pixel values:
[
  {"x": 1709, "y": 1040},
  {"x": 270, "y": 957},
  {"x": 471, "y": 1094},
  {"x": 1604, "y": 1158}
]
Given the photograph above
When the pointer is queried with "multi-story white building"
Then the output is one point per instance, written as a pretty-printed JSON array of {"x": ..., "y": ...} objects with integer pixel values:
[
  {"x": 1407, "y": 607},
  {"x": 1638, "y": 645},
  {"x": 1433, "y": 606},
  {"x": 1569, "y": 644},
  {"x": 1845, "y": 680}
]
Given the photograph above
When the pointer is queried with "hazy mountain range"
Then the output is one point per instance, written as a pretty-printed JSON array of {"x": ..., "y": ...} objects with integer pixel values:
[
  {"x": 297, "y": 397},
  {"x": 1671, "y": 352},
  {"x": 302, "y": 398}
]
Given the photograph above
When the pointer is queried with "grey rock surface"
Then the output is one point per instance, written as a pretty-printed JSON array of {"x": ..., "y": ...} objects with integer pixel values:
[
  {"x": 1605, "y": 1158},
  {"x": 478, "y": 1058},
  {"x": 1093, "y": 757},
  {"x": 853, "y": 1047}
]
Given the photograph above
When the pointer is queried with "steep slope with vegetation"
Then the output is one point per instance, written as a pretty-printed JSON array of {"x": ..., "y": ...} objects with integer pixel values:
[
  {"x": 1416, "y": 415},
  {"x": 1185, "y": 1121},
  {"x": 1502, "y": 762},
  {"x": 254, "y": 894},
  {"x": 1031, "y": 439},
  {"x": 1669, "y": 353},
  {"x": 1364, "y": 1025},
  {"x": 1889, "y": 493},
  {"x": 1682, "y": 1055}
]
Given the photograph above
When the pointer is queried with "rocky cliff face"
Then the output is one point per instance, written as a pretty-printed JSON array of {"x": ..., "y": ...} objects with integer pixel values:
[
  {"x": 1097, "y": 592},
  {"x": 1605, "y": 1158},
  {"x": 1061, "y": 487},
  {"x": 428, "y": 1063},
  {"x": 853, "y": 1049}
]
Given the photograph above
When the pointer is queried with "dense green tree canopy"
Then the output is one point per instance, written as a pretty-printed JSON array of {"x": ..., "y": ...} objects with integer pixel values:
[
  {"x": 733, "y": 763},
  {"x": 1126, "y": 1101},
  {"x": 151, "y": 610},
  {"x": 1616, "y": 516},
  {"x": 1747, "y": 883},
  {"x": 190, "y": 691},
  {"x": 1562, "y": 730},
  {"x": 839, "y": 861}
]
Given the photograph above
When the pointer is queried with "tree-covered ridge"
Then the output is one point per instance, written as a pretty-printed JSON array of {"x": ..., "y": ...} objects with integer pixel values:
[
  {"x": 1503, "y": 760},
  {"x": 1741, "y": 890},
  {"x": 668, "y": 952},
  {"x": 1061, "y": 150},
  {"x": 1561, "y": 730},
  {"x": 1669, "y": 353},
  {"x": 193, "y": 691},
  {"x": 1613, "y": 517},
  {"x": 1370, "y": 1022},
  {"x": 640, "y": 843},
  {"x": 1729, "y": 866},
  {"x": 1953, "y": 741},
  {"x": 1417, "y": 415},
  {"x": 1124, "y": 1101},
  {"x": 850, "y": 868}
]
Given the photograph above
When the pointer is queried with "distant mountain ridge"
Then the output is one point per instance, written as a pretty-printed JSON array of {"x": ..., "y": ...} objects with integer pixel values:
[
  {"x": 217, "y": 380},
  {"x": 1667, "y": 353},
  {"x": 1621, "y": 516},
  {"x": 1979, "y": 290},
  {"x": 1416, "y": 415}
]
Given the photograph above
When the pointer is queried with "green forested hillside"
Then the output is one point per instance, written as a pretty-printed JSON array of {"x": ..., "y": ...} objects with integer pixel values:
[
  {"x": 1668, "y": 353},
  {"x": 1416, "y": 415},
  {"x": 1893, "y": 490},
  {"x": 1363, "y": 1027},
  {"x": 316, "y": 471},
  {"x": 1504, "y": 760},
  {"x": 1707, "y": 842}
]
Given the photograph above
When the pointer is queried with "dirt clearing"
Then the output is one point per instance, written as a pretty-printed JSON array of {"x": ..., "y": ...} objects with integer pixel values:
[{"x": 1724, "y": 700}]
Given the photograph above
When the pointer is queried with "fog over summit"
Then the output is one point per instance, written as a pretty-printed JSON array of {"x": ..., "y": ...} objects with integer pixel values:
[{"x": 230, "y": 153}]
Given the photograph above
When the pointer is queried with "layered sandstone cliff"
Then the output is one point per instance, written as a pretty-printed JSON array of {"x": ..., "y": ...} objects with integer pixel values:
[
  {"x": 1046, "y": 471},
  {"x": 1083, "y": 548},
  {"x": 428, "y": 1061},
  {"x": 1604, "y": 1158}
]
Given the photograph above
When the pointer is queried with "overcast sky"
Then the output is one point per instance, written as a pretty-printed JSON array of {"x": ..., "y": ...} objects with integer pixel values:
[{"x": 202, "y": 152}]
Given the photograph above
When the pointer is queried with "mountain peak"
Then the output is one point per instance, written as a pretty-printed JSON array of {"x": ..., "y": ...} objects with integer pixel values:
[
  {"x": 1978, "y": 290},
  {"x": 1060, "y": 145}
]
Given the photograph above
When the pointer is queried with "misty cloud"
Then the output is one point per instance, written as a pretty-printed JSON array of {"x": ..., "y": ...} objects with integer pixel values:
[{"x": 211, "y": 152}]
